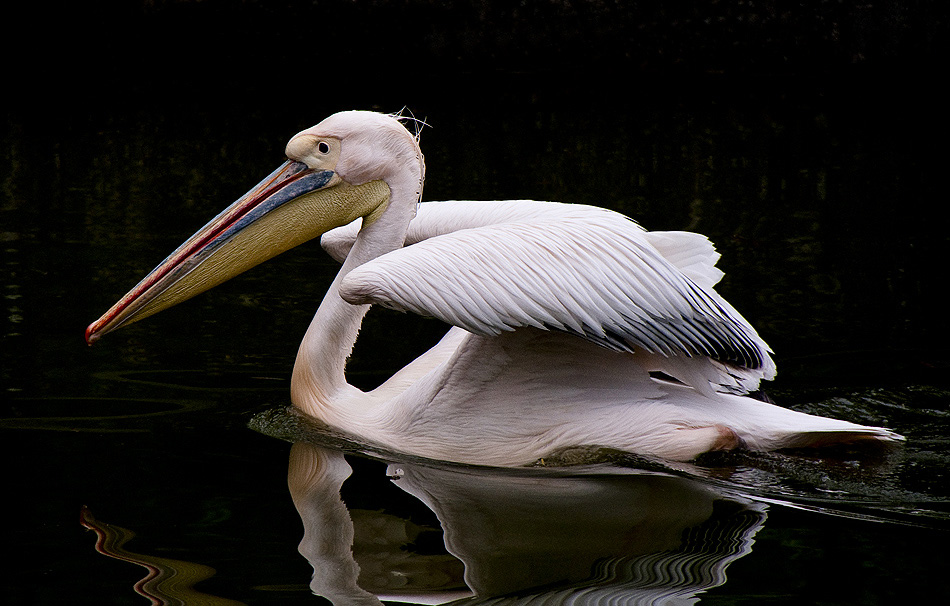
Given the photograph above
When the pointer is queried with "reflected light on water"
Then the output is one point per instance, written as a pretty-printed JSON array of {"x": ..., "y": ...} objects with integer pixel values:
[
  {"x": 168, "y": 582},
  {"x": 590, "y": 534},
  {"x": 627, "y": 537}
]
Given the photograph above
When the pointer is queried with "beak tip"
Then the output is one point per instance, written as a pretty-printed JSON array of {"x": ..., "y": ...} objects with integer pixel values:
[{"x": 91, "y": 335}]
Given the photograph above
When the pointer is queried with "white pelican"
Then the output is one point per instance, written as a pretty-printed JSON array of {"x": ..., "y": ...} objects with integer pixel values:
[{"x": 572, "y": 325}]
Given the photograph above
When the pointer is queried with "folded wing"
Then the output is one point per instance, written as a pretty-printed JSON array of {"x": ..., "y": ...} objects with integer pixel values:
[{"x": 493, "y": 267}]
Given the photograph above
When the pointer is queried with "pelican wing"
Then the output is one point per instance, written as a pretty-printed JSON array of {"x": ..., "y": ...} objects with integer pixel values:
[
  {"x": 691, "y": 253},
  {"x": 587, "y": 271}
]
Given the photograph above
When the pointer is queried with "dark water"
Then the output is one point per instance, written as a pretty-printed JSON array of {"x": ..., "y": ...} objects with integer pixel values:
[{"x": 825, "y": 194}]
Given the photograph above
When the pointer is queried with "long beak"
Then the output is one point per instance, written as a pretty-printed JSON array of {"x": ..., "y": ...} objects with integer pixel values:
[{"x": 292, "y": 205}]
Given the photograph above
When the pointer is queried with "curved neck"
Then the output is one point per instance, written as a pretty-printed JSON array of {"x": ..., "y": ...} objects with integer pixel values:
[{"x": 319, "y": 379}]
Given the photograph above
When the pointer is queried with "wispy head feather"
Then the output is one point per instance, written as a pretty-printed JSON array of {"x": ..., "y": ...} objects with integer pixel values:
[{"x": 405, "y": 115}]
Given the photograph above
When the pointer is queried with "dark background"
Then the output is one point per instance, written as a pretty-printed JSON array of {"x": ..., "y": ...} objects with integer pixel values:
[
  {"x": 112, "y": 52},
  {"x": 807, "y": 139},
  {"x": 64, "y": 57}
]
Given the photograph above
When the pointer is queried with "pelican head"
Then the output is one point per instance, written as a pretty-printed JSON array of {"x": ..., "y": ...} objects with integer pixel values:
[{"x": 354, "y": 164}]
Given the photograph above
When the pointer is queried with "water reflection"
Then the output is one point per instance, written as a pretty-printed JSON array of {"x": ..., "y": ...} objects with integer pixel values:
[
  {"x": 167, "y": 582},
  {"x": 594, "y": 536}
]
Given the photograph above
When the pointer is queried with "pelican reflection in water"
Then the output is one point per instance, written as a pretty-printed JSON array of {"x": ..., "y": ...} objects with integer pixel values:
[
  {"x": 524, "y": 537},
  {"x": 571, "y": 325}
]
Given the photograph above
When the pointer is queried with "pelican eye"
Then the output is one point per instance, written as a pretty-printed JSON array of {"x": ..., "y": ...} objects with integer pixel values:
[{"x": 323, "y": 147}]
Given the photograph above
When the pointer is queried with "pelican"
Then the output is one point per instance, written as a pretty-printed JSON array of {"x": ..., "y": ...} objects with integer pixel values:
[{"x": 571, "y": 325}]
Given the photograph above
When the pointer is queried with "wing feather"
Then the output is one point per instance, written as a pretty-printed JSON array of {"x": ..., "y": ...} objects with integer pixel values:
[{"x": 493, "y": 267}]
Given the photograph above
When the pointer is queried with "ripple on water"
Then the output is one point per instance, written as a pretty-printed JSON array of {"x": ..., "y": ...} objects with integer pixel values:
[
  {"x": 199, "y": 380},
  {"x": 77, "y": 414}
]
